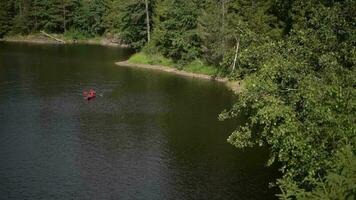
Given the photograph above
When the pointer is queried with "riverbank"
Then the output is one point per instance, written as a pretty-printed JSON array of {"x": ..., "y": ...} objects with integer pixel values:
[
  {"x": 235, "y": 86},
  {"x": 42, "y": 39},
  {"x": 137, "y": 60}
]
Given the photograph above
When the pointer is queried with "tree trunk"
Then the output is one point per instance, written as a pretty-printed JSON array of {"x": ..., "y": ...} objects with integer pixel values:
[
  {"x": 148, "y": 22},
  {"x": 36, "y": 23},
  {"x": 223, "y": 12},
  {"x": 223, "y": 25},
  {"x": 64, "y": 16},
  {"x": 236, "y": 53},
  {"x": 20, "y": 8}
]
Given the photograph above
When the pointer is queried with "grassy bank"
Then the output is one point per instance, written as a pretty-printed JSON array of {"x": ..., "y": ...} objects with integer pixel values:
[
  {"x": 195, "y": 69},
  {"x": 196, "y": 66}
]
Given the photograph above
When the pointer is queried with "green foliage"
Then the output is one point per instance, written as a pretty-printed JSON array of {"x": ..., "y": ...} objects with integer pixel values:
[
  {"x": 152, "y": 59},
  {"x": 197, "y": 66},
  {"x": 6, "y": 14},
  {"x": 128, "y": 19},
  {"x": 297, "y": 58},
  {"x": 55, "y": 16},
  {"x": 89, "y": 17},
  {"x": 20, "y": 20},
  {"x": 211, "y": 32},
  {"x": 250, "y": 23},
  {"x": 73, "y": 34},
  {"x": 52, "y": 15},
  {"x": 175, "y": 33},
  {"x": 302, "y": 101},
  {"x": 338, "y": 183}
]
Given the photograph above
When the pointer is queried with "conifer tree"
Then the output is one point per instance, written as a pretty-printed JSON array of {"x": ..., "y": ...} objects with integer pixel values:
[
  {"x": 22, "y": 18},
  {"x": 129, "y": 19},
  {"x": 175, "y": 33},
  {"x": 89, "y": 17},
  {"x": 7, "y": 13}
]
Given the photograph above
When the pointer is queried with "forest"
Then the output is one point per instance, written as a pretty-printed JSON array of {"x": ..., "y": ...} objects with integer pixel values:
[{"x": 296, "y": 59}]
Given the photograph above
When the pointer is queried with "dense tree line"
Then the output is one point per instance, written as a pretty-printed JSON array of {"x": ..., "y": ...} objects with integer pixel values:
[
  {"x": 55, "y": 16},
  {"x": 297, "y": 58},
  {"x": 300, "y": 92}
]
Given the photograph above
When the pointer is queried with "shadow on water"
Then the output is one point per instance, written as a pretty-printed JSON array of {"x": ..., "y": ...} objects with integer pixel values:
[{"x": 148, "y": 135}]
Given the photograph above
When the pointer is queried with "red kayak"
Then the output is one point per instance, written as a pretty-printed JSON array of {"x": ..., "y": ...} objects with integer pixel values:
[{"x": 90, "y": 96}]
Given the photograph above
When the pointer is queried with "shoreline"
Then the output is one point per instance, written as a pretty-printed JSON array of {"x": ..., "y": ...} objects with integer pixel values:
[
  {"x": 235, "y": 86},
  {"x": 44, "y": 40}
]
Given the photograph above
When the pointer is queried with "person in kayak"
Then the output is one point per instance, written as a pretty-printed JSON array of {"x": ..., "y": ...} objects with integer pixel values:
[
  {"x": 90, "y": 95},
  {"x": 85, "y": 93}
]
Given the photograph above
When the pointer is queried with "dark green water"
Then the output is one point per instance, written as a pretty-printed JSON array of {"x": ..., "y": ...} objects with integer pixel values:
[{"x": 148, "y": 135}]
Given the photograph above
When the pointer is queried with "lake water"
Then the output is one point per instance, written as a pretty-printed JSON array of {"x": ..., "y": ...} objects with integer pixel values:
[{"x": 148, "y": 134}]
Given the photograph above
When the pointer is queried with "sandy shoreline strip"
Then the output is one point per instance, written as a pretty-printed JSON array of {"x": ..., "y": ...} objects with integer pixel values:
[
  {"x": 102, "y": 42},
  {"x": 233, "y": 85},
  {"x": 35, "y": 41}
]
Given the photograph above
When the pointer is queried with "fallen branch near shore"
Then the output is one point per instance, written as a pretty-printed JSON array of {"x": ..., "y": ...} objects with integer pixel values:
[{"x": 50, "y": 36}]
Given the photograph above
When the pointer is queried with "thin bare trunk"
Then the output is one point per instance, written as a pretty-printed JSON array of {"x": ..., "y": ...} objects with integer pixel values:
[
  {"x": 36, "y": 23},
  {"x": 64, "y": 16},
  {"x": 148, "y": 22},
  {"x": 236, "y": 53},
  {"x": 223, "y": 12},
  {"x": 223, "y": 24},
  {"x": 20, "y": 8}
]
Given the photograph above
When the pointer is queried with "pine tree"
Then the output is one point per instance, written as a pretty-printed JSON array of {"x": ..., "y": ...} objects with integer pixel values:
[
  {"x": 22, "y": 18},
  {"x": 89, "y": 17},
  {"x": 7, "y": 12},
  {"x": 52, "y": 15},
  {"x": 129, "y": 19},
  {"x": 253, "y": 24},
  {"x": 175, "y": 33},
  {"x": 211, "y": 31}
]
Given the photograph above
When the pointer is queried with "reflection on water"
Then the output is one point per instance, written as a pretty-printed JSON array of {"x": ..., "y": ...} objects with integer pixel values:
[{"x": 148, "y": 135}]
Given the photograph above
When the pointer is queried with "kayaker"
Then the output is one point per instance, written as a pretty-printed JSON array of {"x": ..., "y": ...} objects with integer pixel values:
[
  {"x": 92, "y": 93},
  {"x": 85, "y": 93}
]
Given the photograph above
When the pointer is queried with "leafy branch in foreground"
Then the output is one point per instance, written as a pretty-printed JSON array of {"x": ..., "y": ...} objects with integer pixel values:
[{"x": 302, "y": 102}]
